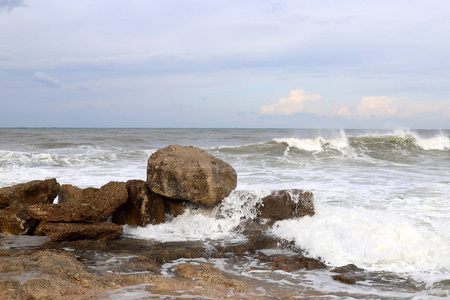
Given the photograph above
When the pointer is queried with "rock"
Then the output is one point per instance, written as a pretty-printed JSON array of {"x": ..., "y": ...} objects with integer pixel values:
[
  {"x": 344, "y": 279},
  {"x": 63, "y": 212},
  {"x": 189, "y": 173},
  {"x": 33, "y": 192},
  {"x": 15, "y": 200},
  {"x": 10, "y": 289},
  {"x": 210, "y": 275},
  {"x": 98, "y": 205},
  {"x": 81, "y": 231},
  {"x": 285, "y": 204},
  {"x": 293, "y": 263},
  {"x": 52, "y": 287},
  {"x": 142, "y": 207},
  {"x": 178, "y": 207},
  {"x": 350, "y": 274},
  {"x": 70, "y": 194}
]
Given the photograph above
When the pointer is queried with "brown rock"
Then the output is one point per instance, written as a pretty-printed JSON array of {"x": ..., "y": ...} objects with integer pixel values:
[
  {"x": 15, "y": 200},
  {"x": 344, "y": 279},
  {"x": 81, "y": 231},
  {"x": 98, "y": 205},
  {"x": 293, "y": 263},
  {"x": 209, "y": 274},
  {"x": 70, "y": 194},
  {"x": 142, "y": 206},
  {"x": 63, "y": 212},
  {"x": 189, "y": 173},
  {"x": 10, "y": 289},
  {"x": 33, "y": 192},
  {"x": 178, "y": 207},
  {"x": 285, "y": 204}
]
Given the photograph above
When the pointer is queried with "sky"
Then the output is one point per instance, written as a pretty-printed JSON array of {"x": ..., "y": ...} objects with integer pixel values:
[{"x": 225, "y": 64}]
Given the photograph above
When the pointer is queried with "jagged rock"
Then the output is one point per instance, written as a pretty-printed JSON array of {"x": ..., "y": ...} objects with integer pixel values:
[
  {"x": 70, "y": 194},
  {"x": 178, "y": 207},
  {"x": 142, "y": 206},
  {"x": 96, "y": 207},
  {"x": 81, "y": 231},
  {"x": 15, "y": 200},
  {"x": 189, "y": 173},
  {"x": 285, "y": 204}
]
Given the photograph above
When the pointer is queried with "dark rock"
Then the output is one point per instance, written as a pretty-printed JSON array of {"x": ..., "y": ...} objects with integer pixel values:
[
  {"x": 285, "y": 204},
  {"x": 15, "y": 200},
  {"x": 81, "y": 231},
  {"x": 293, "y": 263},
  {"x": 96, "y": 207},
  {"x": 344, "y": 279},
  {"x": 189, "y": 173},
  {"x": 142, "y": 206},
  {"x": 350, "y": 268},
  {"x": 178, "y": 207}
]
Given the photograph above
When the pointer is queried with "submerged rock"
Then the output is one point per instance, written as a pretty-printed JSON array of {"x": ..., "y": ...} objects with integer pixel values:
[
  {"x": 285, "y": 204},
  {"x": 81, "y": 231},
  {"x": 14, "y": 201},
  {"x": 142, "y": 207},
  {"x": 189, "y": 173}
]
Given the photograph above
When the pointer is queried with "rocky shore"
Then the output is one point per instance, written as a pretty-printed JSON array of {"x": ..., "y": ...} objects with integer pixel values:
[{"x": 86, "y": 224}]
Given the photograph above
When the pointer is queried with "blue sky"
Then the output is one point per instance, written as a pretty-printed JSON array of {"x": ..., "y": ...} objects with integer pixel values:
[{"x": 295, "y": 64}]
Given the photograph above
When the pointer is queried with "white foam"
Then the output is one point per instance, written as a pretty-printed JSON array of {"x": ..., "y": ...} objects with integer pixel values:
[
  {"x": 216, "y": 223},
  {"x": 316, "y": 145},
  {"x": 372, "y": 239}
]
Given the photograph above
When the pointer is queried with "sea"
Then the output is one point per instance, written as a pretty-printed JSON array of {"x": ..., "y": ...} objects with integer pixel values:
[{"x": 382, "y": 198}]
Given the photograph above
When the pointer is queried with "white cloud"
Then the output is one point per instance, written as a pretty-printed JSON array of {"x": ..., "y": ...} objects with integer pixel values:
[
  {"x": 380, "y": 107},
  {"x": 47, "y": 80},
  {"x": 297, "y": 101}
]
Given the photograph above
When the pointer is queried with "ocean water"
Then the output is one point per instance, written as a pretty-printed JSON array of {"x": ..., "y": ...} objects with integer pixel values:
[{"x": 382, "y": 198}]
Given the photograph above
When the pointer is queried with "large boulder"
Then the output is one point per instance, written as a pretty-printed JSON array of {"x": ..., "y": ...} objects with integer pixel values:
[
  {"x": 15, "y": 200},
  {"x": 189, "y": 173},
  {"x": 142, "y": 207},
  {"x": 285, "y": 204},
  {"x": 81, "y": 231},
  {"x": 96, "y": 206}
]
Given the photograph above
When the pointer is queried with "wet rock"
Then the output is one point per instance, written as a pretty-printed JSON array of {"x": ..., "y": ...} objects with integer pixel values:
[
  {"x": 344, "y": 279},
  {"x": 15, "y": 200},
  {"x": 189, "y": 173},
  {"x": 96, "y": 207},
  {"x": 178, "y": 207},
  {"x": 80, "y": 245},
  {"x": 53, "y": 287},
  {"x": 285, "y": 204},
  {"x": 210, "y": 275},
  {"x": 81, "y": 231},
  {"x": 293, "y": 263},
  {"x": 349, "y": 274},
  {"x": 70, "y": 194},
  {"x": 350, "y": 268},
  {"x": 142, "y": 207}
]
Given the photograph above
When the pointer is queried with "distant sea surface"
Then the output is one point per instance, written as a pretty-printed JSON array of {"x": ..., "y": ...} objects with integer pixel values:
[{"x": 382, "y": 198}]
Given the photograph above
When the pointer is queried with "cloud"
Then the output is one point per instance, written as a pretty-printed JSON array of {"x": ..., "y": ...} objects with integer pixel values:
[
  {"x": 297, "y": 101},
  {"x": 380, "y": 107},
  {"x": 8, "y": 5},
  {"x": 47, "y": 80}
]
